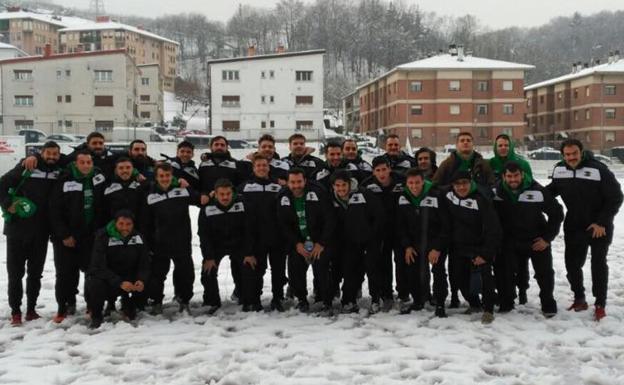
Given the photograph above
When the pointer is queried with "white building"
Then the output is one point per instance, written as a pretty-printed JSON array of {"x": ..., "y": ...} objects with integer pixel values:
[
  {"x": 8, "y": 51},
  {"x": 70, "y": 93},
  {"x": 150, "y": 93},
  {"x": 278, "y": 94}
]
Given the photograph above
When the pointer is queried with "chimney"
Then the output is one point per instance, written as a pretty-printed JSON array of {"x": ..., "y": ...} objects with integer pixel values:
[
  {"x": 586, "y": 65},
  {"x": 597, "y": 62},
  {"x": 469, "y": 52},
  {"x": 460, "y": 53},
  {"x": 453, "y": 50},
  {"x": 251, "y": 50},
  {"x": 573, "y": 68},
  {"x": 616, "y": 57},
  {"x": 15, "y": 8},
  {"x": 47, "y": 51},
  {"x": 102, "y": 19},
  {"x": 280, "y": 48},
  {"x": 141, "y": 27},
  {"x": 610, "y": 60}
]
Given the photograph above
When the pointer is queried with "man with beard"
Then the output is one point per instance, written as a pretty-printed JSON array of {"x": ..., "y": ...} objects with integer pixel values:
[
  {"x": 266, "y": 148},
  {"x": 166, "y": 225},
  {"x": 119, "y": 266},
  {"x": 521, "y": 204},
  {"x": 300, "y": 156},
  {"x": 426, "y": 160},
  {"x": 465, "y": 158},
  {"x": 142, "y": 163},
  {"x": 305, "y": 215},
  {"x": 504, "y": 151},
  {"x": 418, "y": 232},
  {"x": 398, "y": 160},
  {"x": 359, "y": 217},
  {"x": 103, "y": 159},
  {"x": 471, "y": 226},
  {"x": 24, "y": 197},
  {"x": 333, "y": 155},
  {"x": 387, "y": 186},
  {"x": 76, "y": 205},
  {"x": 225, "y": 228},
  {"x": 123, "y": 192},
  {"x": 352, "y": 161},
  {"x": 593, "y": 197},
  {"x": 260, "y": 196},
  {"x": 184, "y": 166}
]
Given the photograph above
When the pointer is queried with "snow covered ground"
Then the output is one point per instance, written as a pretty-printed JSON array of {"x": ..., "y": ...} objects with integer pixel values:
[{"x": 270, "y": 348}]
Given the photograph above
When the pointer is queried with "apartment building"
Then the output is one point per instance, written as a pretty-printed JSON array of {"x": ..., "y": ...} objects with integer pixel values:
[{"x": 150, "y": 94}]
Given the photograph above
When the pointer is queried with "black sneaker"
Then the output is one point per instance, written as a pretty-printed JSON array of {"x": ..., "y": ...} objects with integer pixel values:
[
  {"x": 157, "y": 309},
  {"x": 326, "y": 311},
  {"x": 350, "y": 308},
  {"x": 505, "y": 308},
  {"x": 256, "y": 307},
  {"x": 246, "y": 308},
  {"x": 303, "y": 306},
  {"x": 184, "y": 308},
  {"x": 440, "y": 312},
  {"x": 276, "y": 305},
  {"x": 110, "y": 308},
  {"x": 522, "y": 297},
  {"x": 71, "y": 309},
  {"x": 454, "y": 302},
  {"x": 212, "y": 309},
  {"x": 95, "y": 323}
]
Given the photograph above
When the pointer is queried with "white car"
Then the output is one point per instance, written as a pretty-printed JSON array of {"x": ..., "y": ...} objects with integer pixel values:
[{"x": 63, "y": 138}]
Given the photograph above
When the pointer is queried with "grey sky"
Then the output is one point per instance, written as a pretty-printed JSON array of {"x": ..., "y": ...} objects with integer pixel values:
[{"x": 494, "y": 13}]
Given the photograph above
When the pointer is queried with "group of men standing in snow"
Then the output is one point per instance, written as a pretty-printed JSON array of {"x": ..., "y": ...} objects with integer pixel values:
[{"x": 123, "y": 218}]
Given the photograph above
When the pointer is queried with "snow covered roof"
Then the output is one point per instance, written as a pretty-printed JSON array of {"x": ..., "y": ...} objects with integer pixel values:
[
  {"x": 58, "y": 20},
  {"x": 95, "y": 26},
  {"x": 267, "y": 56},
  {"x": 617, "y": 67},
  {"x": 450, "y": 62},
  {"x": 9, "y": 46}
]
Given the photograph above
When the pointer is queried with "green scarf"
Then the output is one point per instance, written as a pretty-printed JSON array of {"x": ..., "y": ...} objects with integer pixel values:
[
  {"x": 112, "y": 231},
  {"x": 415, "y": 200},
  {"x": 87, "y": 191},
  {"x": 465, "y": 164},
  {"x": 526, "y": 182},
  {"x": 301, "y": 216}
]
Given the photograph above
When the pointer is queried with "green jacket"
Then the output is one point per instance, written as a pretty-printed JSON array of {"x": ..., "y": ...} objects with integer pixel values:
[{"x": 497, "y": 163}]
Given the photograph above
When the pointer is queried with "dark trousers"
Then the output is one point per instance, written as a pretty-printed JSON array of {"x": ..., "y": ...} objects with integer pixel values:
[
  {"x": 101, "y": 291},
  {"x": 25, "y": 256},
  {"x": 417, "y": 274},
  {"x": 357, "y": 261},
  {"x": 210, "y": 281},
  {"x": 576, "y": 247},
  {"x": 277, "y": 260},
  {"x": 440, "y": 283},
  {"x": 183, "y": 277},
  {"x": 385, "y": 269},
  {"x": 69, "y": 262},
  {"x": 336, "y": 266},
  {"x": 297, "y": 271},
  {"x": 462, "y": 268}
]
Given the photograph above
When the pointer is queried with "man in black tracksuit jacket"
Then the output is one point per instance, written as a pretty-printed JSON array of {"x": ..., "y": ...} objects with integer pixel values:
[
  {"x": 124, "y": 192},
  {"x": 592, "y": 197},
  {"x": 388, "y": 186},
  {"x": 27, "y": 236},
  {"x": 322, "y": 176},
  {"x": 352, "y": 161},
  {"x": 418, "y": 227},
  {"x": 471, "y": 226},
  {"x": 76, "y": 212},
  {"x": 398, "y": 160},
  {"x": 300, "y": 156},
  {"x": 142, "y": 163},
  {"x": 219, "y": 164},
  {"x": 521, "y": 204},
  {"x": 184, "y": 166},
  {"x": 120, "y": 266},
  {"x": 359, "y": 221},
  {"x": 166, "y": 226},
  {"x": 306, "y": 218},
  {"x": 260, "y": 197},
  {"x": 225, "y": 228}
]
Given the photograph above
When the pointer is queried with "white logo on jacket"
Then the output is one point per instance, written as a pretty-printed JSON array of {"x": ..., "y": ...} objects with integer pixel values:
[
  {"x": 468, "y": 203},
  {"x": 357, "y": 198},
  {"x": 285, "y": 201},
  {"x": 72, "y": 186},
  {"x": 531, "y": 196},
  {"x": 212, "y": 210},
  {"x": 311, "y": 196}
]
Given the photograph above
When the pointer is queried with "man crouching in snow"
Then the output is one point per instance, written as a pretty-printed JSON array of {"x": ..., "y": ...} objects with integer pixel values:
[
  {"x": 120, "y": 266},
  {"x": 473, "y": 230}
]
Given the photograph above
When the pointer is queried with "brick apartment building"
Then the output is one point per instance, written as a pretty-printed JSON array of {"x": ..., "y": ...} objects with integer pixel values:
[
  {"x": 430, "y": 101},
  {"x": 586, "y": 104}
]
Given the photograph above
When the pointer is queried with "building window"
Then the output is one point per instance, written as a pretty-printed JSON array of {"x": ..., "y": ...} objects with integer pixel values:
[
  {"x": 482, "y": 109},
  {"x": 231, "y": 125},
  {"x": 507, "y": 85},
  {"x": 559, "y": 117},
  {"x": 272, "y": 123},
  {"x": 272, "y": 74},
  {"x": 263, "y": 99},
  {"x": 453, "y": 132},
  {"x": 67, "y": 73},
  {"x": 299, "y": 100},
  {"x": 60, "y": 124},
  {"x": 484, "y": 132},
  {"x": 541, "y": 99},
  {"x": 416, "y": 86},
  {"x": 610, "y": 136},
  {"x": 24, "y": 125},
  {"x": 103, "y": 101},
  {"x": 454, "y": 109},
  {"x": 271, "y": 99},
  {"x": 230, "y": 101},
  {"x": 587, "y": 114},
  {"x": 263, "y": 124},
  {"x": 69, "y": 124},
  {"x": 145, "y": 114},
  {"x": 229, "y": 75},
  {"x": 454, "y": 85},
  {"x": 262, "y": 75},
  {"x": 609, "y": 89},
  {"x": 103, "y": 76},
  {"x": 576, "y": 117},
  {"x": 145, "y": 98},
  {"x": 303, "y": 76},
  {"x": 416, "y": 109},
  {"x": 529, "y": 102},
  {"x": 417, "y": 133},
  {"x": 482, "y": 86},
  {"x": 104, "y": 125},
  {"x": 576, "y": 93},
  {"x": 68, "y": 99},
  {"x": 59, "y": 99},
  {"x": 59, "y": 74},
  {"x": 508, "y": 131},
  {"x": 24, "y": 75},
  {"x": 145, "y": 81},
  {"x": 24, "y": 100},
  {"x": 304, "y": 125},
  {"x": 587, "y": 91},
  {"x": 610, "y": 113},
  {"x": 559, "y": 95},
  {"x": 508, "y": 109}
]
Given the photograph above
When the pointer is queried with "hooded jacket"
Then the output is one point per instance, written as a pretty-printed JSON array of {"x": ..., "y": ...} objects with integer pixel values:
[
  {"x": 124, "y": 195},
  {"x": 217, "y": 165},
  {"x": 590, "y": 192},
  {"x": 308, "y": 163},
  {"x": 521, "y": 212},
  {"x": 260, "y": 198},
  {"x": 116, "y": 259},
  {"x": 187, "y": 171},
  {"x": 497, "y": 163}
]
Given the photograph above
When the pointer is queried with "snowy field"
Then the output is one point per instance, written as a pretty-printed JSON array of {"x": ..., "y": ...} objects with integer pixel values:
[{"x": 289, "y": 348}]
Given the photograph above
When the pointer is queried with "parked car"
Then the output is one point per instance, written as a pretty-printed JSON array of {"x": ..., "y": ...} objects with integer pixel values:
[
  {"x": 32, "y": 135},
  {"x": 238, "y": 144},
  {"x": 604, "y": 159},
  {"x": 199, "y": 141},
  {"x": 545, "y": 153},
  {"x": 63, "y": 138}
]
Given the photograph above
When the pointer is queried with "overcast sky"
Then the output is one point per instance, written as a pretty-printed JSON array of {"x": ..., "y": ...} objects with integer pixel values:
[{"x": 490, "y": 12}]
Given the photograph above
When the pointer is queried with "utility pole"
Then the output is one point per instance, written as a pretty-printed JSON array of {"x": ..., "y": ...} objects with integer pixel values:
[{"x": 97, "y": 7}]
